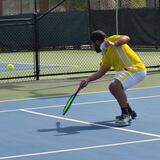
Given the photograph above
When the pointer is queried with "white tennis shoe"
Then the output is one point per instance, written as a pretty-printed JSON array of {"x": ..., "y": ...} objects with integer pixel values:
[{"x": 124, "y": 120}]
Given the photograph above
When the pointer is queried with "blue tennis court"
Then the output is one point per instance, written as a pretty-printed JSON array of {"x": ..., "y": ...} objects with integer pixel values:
[{"x": 34, "y": 129}]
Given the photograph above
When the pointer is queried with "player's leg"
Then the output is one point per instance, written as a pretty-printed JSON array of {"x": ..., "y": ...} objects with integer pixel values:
[
  {"x": 118, "y": 92},
  {"x": 123, "y": 81},
  {"x": 122, "y": 100},
  {"x": 131, "y": 112}
]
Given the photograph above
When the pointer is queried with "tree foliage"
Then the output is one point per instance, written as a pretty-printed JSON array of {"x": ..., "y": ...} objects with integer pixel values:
[{"x": 73, "y": 4}]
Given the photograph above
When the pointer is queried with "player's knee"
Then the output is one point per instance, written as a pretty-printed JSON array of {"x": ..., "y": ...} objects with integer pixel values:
[{"x": 112, "y": 87}]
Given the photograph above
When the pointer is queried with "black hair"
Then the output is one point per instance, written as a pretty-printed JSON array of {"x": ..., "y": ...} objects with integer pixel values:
[{"x": 97, "y": 35}]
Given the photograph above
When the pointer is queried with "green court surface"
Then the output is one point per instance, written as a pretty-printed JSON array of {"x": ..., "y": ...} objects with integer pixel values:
[
  {"x": 62, "y": 61},
  {"x": 57, "y": 86}
]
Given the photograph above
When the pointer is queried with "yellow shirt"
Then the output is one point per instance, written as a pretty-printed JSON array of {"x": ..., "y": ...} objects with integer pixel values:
[{"x": 121, "y": 57}]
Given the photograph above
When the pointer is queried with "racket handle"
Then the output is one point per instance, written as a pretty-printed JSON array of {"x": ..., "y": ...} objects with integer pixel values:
[{"x": 78, "y": 90}]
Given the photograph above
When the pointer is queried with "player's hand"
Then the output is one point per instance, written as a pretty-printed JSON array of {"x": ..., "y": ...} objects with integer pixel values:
[{"x": 83, "y": 84}]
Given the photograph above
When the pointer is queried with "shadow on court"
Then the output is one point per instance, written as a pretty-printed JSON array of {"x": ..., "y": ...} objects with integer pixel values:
[{"x": 77, "y": 129}]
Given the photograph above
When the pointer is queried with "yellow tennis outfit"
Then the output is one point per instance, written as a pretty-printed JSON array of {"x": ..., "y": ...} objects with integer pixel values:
[{"x": 130, "y": 69}]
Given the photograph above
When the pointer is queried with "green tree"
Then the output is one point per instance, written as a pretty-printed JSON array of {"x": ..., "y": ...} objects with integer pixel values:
[
  {"x": 72, "y": 4},
  {"x": 136, "y": 3},
  {"x": 76, "y": 4}
]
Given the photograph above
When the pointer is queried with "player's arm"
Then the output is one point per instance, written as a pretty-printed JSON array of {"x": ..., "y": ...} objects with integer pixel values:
[
  {"x": 120, "y": 41},
  {"x": 93, "y": 77}
]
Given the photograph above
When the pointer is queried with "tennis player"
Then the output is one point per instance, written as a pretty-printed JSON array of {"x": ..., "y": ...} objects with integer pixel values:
[{"x": 116, "y": 53}]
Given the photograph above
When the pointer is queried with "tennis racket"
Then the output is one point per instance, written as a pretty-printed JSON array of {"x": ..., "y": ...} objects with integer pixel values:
[{"x": 70, "y": 101}]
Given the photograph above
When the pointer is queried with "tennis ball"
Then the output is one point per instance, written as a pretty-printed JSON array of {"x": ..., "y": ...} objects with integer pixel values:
[{"x": 10, "y": 66}]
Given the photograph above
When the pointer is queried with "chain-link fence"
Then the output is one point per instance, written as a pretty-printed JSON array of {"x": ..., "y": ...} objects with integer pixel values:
[{"x": 52, "y": 37}]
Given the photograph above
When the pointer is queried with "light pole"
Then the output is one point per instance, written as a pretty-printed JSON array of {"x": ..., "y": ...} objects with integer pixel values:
[{"x": 21, "y": 7}]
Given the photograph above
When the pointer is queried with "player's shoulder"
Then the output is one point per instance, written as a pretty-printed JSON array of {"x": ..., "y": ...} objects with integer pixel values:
[{"x": 113, "y": 37}]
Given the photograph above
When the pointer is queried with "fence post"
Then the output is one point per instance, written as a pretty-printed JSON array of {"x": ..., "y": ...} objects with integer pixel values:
[
  {"x": 117, "y": 14},
  {"x": 36, "y": 47},
  {"x": 89, "y": 19}
]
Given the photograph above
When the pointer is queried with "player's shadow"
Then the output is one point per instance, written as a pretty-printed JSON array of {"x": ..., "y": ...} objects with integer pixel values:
[{"x": 77, "y": 129}]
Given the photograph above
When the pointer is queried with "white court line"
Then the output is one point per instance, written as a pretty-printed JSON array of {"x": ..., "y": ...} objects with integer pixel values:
[
  {"x": 77, "y": 104},
  {"x": 79, "y": 149},
  {"x": 106, "y": 91},
  {"x": 91, "y": 123}
]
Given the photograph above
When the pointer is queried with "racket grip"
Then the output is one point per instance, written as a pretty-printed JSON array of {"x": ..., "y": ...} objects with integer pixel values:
[{"x": 78, "y": 90}]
